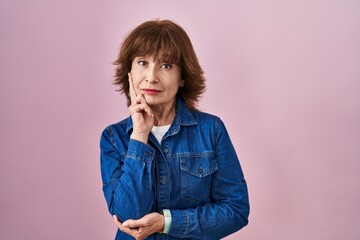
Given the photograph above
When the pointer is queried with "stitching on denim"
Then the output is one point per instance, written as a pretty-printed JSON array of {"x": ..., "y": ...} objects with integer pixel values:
[
  {"x": 134, "y": 157},
  {"x": 185, "y": 229},
  {"x": 200, "y": 175},
  {"x": 112, "y": 136},
  {"x": 190, "y": 154},
  {"x": 212, "y": 167},
  {"x": 217, "y": 126},
  {"x": 143, "y": 158}
]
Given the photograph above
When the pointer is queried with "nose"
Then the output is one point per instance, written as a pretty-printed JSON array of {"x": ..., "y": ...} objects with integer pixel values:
[{"x": 152, "y": 75}]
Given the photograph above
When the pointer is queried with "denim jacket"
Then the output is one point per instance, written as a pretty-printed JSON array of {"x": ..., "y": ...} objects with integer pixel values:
[{"x": 194, "y": 172}]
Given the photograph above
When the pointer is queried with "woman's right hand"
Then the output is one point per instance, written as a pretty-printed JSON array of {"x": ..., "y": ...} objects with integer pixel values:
[{"x": 141, "y": 114}]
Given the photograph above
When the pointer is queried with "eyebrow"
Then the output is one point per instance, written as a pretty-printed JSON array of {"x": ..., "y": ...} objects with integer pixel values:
[{"x": 164, "y": 58}]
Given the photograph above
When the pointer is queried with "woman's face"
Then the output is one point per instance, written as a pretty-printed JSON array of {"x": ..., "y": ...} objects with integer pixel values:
[{"x": 157, "y": 80}]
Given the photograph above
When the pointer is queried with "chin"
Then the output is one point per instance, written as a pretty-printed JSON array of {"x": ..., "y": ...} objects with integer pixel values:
[{"x": 151, "y": 101}]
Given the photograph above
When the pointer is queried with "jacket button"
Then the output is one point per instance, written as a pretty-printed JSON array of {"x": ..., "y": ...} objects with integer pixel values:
[
  {"x": 163, "y": 180},
  {"x": 200, "y": 170},
  {"x": 166, "y": 150}
]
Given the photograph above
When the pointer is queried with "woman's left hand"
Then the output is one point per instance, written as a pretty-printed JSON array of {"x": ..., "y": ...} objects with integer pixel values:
[{"x": 142, "y": 228}]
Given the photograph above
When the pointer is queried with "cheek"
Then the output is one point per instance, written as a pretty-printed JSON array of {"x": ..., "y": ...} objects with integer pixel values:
[
  {"x": 136, "y": 77},
  {"x": 135, "y": 70},
  {"x": 174, "y": 86}
]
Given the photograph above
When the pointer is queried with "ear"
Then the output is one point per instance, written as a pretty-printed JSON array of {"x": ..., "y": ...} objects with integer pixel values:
[{"x": 182, "y": 83}]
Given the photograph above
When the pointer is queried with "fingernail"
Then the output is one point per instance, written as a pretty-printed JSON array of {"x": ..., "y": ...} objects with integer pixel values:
[{"x": 125, "y": 224}]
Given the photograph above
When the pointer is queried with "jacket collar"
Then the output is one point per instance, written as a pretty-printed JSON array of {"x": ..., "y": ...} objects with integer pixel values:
[{"x": 183, "y": 117}]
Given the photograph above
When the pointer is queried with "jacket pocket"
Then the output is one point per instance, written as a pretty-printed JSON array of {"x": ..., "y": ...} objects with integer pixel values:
[{"x": 196, "y": 176}]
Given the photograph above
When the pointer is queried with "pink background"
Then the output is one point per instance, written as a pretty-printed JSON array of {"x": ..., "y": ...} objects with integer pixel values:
[{"x": 283, "y": 75}]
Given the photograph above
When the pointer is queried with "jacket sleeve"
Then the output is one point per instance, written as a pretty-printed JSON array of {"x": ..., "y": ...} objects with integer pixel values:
[
  {"x": 229, "y": 209},
  {"x": 127, "y": 176}
]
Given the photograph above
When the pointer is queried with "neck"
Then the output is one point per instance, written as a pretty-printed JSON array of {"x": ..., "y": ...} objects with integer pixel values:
[{"x": 164, "y": 114}]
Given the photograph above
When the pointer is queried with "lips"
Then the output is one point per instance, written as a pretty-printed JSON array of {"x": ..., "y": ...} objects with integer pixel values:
[{"x": 150, "y": 91}]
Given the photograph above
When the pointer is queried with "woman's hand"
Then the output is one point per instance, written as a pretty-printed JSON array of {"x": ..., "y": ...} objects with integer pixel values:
[
  {"x": 143, "y": 227},
  {"x": 141, "y": 114}
]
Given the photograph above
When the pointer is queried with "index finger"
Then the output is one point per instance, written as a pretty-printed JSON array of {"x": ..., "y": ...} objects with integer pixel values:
[
  {"x": 131, "y": 88},
  {"x": 133, "y": 224},
  {"x": 117, "y": 221},
  {"x": 122, "y": 228}
]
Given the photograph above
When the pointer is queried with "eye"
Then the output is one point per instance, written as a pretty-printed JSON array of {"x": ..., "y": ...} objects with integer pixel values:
[
  {"x": 142, "y": 63},
  {"x": 166, "y": 66}
]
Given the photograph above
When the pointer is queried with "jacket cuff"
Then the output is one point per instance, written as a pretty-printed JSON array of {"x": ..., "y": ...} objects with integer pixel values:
[
  {"x": 179, "y": 223},
  {"x": 140, "y": 151}
]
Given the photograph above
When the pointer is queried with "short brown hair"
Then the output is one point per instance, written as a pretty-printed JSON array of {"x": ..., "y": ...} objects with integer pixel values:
[{"x": 149, "y": 39}]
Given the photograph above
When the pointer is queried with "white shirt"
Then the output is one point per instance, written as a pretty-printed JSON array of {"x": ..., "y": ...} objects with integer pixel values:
[{"x": 159, "y": 131}]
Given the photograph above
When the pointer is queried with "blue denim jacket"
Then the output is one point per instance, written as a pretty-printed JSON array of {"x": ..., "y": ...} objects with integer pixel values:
[{"x": 194, "y": 172}]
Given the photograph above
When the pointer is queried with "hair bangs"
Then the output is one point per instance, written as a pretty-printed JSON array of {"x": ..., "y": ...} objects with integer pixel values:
[{"x": 160, "y": 44}]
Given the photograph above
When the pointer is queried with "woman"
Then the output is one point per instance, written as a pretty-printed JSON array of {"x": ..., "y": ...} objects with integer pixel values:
[{"x": 169, "y": 171}]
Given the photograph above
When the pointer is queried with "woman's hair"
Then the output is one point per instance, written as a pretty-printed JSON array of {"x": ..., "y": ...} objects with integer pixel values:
[{"x": 166, "y": 40}]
